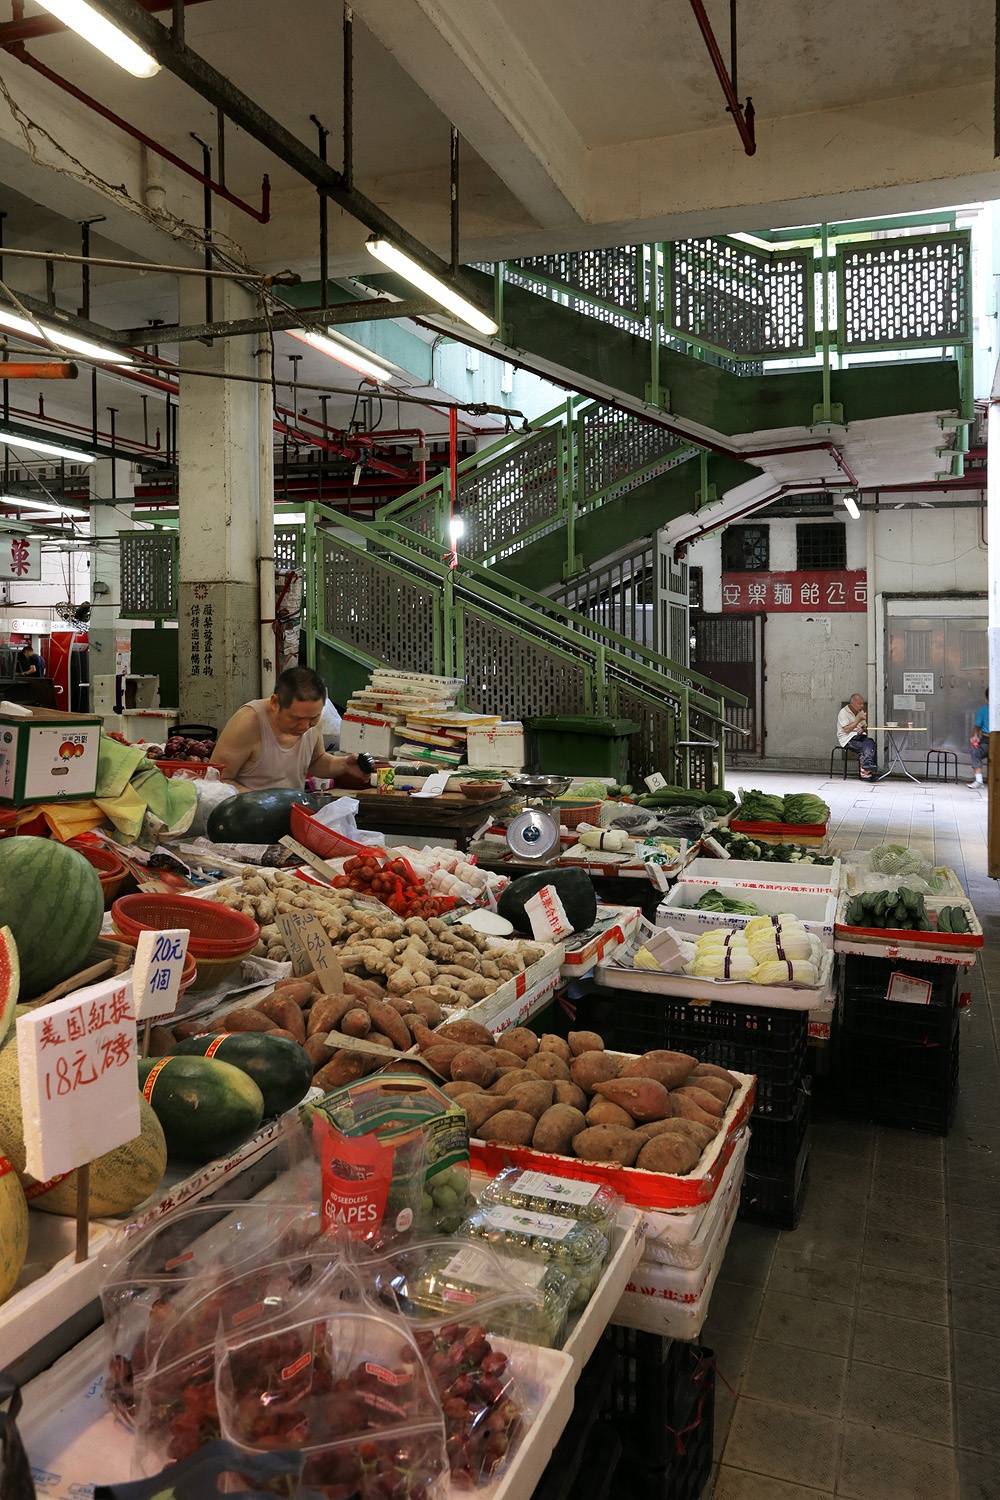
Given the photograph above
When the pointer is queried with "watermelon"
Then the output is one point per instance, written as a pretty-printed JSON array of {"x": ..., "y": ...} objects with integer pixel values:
[
  {"x": 120, "y": 1180},
  {"x": 207, "y": 1108},
  {"x": 10, "y": 980},
  {"x": 280, "y": 1068},
  {"x": 52, "y": 900},
  {"x": 14, "y": 1233},
  {"x": 262, "y": 817}
]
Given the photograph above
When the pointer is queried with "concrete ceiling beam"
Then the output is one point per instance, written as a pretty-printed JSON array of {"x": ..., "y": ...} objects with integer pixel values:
[{"x": 470, "y": 63}]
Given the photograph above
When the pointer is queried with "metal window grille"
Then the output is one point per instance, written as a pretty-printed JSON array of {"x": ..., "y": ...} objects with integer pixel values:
[
  {"x": 918, "y": 651},
  {"x": 696, "y": 588},
  {"x": 287, "y": 549},
  {"x": 823, "y": 545},
  {"x": 746, "y": 549},
  {"x": 149, "y": 574},
  {"x": 905, "y": 292},
  {"x": 974, "y": 650}
]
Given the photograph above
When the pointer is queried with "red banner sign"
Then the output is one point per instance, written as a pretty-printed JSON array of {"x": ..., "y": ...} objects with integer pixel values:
[{"x": 796, "y": 593}]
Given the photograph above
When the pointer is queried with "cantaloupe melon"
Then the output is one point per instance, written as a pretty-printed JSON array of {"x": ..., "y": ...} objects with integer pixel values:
[
  {"x": 119, "y": 1180},
  {"x": 13, "y": 1228}
]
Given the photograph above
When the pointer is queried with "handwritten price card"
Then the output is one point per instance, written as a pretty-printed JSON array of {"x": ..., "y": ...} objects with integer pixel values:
[
  {"x": 306, "y": 939},
  {"x": 156, "y": 974},
  {"x": 79, "y": 1078}
]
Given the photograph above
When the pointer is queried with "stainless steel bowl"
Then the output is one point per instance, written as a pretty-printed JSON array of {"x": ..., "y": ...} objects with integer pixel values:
[{"x": 539, "y": 786}]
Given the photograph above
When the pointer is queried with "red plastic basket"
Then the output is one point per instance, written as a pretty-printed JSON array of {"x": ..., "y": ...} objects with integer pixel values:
[
  {"x": 110, "y": 870},
  {"x": 319, "y": 839},
  {"x": 216, "y": 931},
  {"x": 197, "y": 768}
]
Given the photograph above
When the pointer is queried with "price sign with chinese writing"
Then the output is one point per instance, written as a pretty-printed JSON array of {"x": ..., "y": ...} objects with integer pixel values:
[
  {"x": 156, "y": 975},
  {"x": 305, "y": 938},
  {"x": 79, "y": 1079}
]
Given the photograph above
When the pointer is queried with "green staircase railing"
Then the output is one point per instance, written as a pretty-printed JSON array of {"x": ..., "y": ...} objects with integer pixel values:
[{"x": 379, "y": 592}]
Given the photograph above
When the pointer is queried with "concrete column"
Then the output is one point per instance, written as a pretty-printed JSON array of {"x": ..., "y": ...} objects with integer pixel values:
[
  {"x": 112, "y": 486},
  {"x": 219, "y": 485}
]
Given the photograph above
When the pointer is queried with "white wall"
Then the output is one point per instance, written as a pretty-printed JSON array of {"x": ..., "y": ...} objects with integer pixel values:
[{"x": 814, "y": 662}]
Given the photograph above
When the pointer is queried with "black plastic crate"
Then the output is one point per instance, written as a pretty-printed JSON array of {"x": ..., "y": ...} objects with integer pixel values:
[
  {"x": 867, "y": 1012},
  {"x": 771, "y": 1044},
  {"x": 776, "y": 1145},
  {"x": 776, "y": 1198},
  {"x": 660, "y": 1392},
  {"x": 585, "y": 1458},
  {"x": 912, "y": 1084},
  {"x": 685, "y": 1431}
]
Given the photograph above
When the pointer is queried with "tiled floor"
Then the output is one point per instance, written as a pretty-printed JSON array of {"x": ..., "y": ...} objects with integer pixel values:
[{"x": 863, "y": 1349}]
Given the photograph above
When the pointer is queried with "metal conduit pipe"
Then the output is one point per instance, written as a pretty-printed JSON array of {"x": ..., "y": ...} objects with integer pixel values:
[
  {"x": 744, "y": 122},
  {"x": 262, "y": 215}
]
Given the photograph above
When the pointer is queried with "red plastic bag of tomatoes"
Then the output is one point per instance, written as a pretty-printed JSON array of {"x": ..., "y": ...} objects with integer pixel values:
[{"x": 349, "y": 1390}]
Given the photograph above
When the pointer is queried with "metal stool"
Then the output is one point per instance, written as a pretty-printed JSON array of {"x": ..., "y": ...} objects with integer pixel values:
[
  {"x": 847, "y": 754},
  {"x": 942, "y": 758}
]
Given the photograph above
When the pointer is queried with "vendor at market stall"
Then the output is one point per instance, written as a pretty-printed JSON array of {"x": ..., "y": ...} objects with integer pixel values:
[{"x": 278, "y": 741}]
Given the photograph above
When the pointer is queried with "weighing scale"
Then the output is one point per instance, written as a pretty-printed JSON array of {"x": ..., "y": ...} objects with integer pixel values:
[{"x": 534, "y": 834}]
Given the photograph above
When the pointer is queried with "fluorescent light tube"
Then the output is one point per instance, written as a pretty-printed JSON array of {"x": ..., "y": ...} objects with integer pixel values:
[
  {"x": 64, "y": 340},
  {"x": 852, "y": 507},
  {"x": 35, "y": 445},
  {"x": 102, "y": 34},
  {"x": 48, "y": 507},
  {"x": 349, "y": 353},
  {"x": 390, "y": 255}
]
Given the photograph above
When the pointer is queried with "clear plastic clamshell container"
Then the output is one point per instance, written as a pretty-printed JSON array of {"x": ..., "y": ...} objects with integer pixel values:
[
  {"x": 577, "y": 1249},
  {"x": 543, "y": 1192}
]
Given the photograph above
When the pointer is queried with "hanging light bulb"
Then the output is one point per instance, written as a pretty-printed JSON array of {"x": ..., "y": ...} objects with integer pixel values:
[{"x": 852, "y": 507}]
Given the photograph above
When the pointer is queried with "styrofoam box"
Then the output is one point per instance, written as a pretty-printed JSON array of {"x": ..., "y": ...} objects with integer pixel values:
[
  {"x": 373, "y": 734},
  {"x": 764, "y": 874},
  {"x": 685, "y": 1245},
  {"x": 815, "y": 909},
  {"x": 496, "y": 744},
  {"x": 726, "y": 991},
  {"x": 150, "y": 726},
  {"x": 75, "y": 1441}
]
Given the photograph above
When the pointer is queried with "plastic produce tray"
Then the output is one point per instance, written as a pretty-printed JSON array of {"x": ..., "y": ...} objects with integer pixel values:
[
  {"x": 639, "y": 1188},
  {"x": 707, "y": 991},
  {"x": 911, "y": 1085},
  {"x": 614, "y": 925},
  {"x": 813, "y": 835},
  {"x": 764, "y": 874},
  {"x": 898, "y": 942},
  {"x": 815, "y": 907}
]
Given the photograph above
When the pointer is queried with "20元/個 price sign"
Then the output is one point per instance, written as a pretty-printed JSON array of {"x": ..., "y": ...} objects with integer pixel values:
[
  {"x": 79, "y": 1080},
  {"x": 156, "y": 973}
]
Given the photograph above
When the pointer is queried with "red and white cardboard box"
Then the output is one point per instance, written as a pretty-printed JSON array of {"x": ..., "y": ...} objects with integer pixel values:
[{"x": 496, "y": 745}]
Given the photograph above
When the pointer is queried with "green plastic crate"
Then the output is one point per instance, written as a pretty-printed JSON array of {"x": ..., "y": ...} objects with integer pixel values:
[{"x": 581, "y": 745}]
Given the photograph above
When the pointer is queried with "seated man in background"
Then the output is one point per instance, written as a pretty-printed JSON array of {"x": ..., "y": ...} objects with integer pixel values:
[
  {"x": 852, "y": 721},
  {"x": 981, "y": 741},
  {"x": 277, "y": 741}
]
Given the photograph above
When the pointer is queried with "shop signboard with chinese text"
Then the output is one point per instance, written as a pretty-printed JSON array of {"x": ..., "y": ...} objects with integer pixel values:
[
  {"x": 834, "y": 592},
  {"x": 20, "y": 558}
]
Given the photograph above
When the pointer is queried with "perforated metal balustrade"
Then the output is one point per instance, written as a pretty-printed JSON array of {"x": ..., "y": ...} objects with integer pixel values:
[
  {"x": 752, "y": 303},
  {"x": 375, "y": 608},
  {"x": 906, "y": 293},
  {"x": 149, "y": 575}
]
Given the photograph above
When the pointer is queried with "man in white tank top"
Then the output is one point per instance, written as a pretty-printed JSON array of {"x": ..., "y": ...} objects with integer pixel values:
[{"x": 277, "y": 741}]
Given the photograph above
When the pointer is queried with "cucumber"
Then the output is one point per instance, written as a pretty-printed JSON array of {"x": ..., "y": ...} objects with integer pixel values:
[
  {"x": 280, "y": 1068},
  {"x": 944, "y": 919},
  {"x": 207, "y": 1108}
]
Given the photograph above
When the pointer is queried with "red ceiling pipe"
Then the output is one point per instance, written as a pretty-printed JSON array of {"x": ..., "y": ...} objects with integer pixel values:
[
  {"x": 744, "y": 123},
  {"x": 262, "y": 215},
  {"x": 39, "y": 369}
]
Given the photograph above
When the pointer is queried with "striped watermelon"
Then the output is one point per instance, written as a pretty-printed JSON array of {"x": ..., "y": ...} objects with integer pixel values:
[
  {"x": 10, "y": 979},
  {"x": 14, "y": 1219},
  {"x": 53, "y": 902}
]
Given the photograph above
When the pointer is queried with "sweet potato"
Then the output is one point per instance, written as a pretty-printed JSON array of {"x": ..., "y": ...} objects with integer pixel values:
[
  {"x": 278, "y": 1031},
  {"x": 722, "y": 1090},
  {"x": 400, "y": 1005},
  {"x": 603, "y": 1112},
  {"x": 644, "y": 1098},
  {"x": 520, "y": 1040},
  {"x": 429, "y": 1011},
  {"x": 357, "y": 1022},
  {"x": 363, "y": 989},
  {"x": 326, "y": 1014},
  {"x": 569, "y": 1093},
  {"x": 474, "y": 1064},
  {"x": 479, "y": 1108},
  {"x": 687, "y": 1109},
  {"x": 668, "y": 1153},
  {"x": 346, "y": 1067},
  {"x": 504, "y": 1059},
  {"x": 585, "y": 1041},
  {"x": 301, "y": 992},
  {"x": 513, "y": 1126},
  {"x": 161, "y": 1041},
  {"x": 592, "y": 1068},
  {"x": 442, "y": 1055},
  {"x": 608, "y": 1143},
  {"x": 704, "y": 1100},
  {"x": 469, "y": 1032},
  {"x": 712, "y": 1070},
  {"x": 510, "y": 1079},
  {"x": 548, "y": 1065},
  {"x": 319, "y": 1053},
  {"x": 244, "y": 1018},
  {"x": 386, "y": 1020},
  {"x": 463, "y": 1086},
  {"x": 284, "y": 1013},
  {"x": 700, "y": 1135},
  {"x": 556, "y": 1128},
  {"x": 668, "y": 1068},
  {"x": 185, "y": 1029},
  {"x": 379, "y": 1039},
  {"x": 534, "y": 1096},
  {"x": 552, "y": 1043}
]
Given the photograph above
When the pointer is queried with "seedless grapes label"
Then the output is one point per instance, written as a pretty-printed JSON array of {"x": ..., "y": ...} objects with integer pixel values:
[{"x": 558, "y": 1189}]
